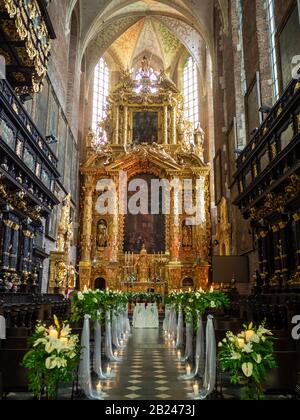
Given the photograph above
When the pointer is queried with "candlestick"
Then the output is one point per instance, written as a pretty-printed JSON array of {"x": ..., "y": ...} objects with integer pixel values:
[
  {"x": 108, "y": 371},
  {"x": 99, "y": 388},
  {"x": 188, "y": 370},
  {"x": 196, "y": 389}
]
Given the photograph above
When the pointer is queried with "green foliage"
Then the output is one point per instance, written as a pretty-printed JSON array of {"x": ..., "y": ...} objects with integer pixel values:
[
  {"x": 195, "y": 303},
  {"x": 96, "y": 302},
  {"x": 144, "y": 297}
]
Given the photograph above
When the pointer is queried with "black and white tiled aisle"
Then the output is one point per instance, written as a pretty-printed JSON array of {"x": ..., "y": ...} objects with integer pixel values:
[{"x": 149, "y": 370}]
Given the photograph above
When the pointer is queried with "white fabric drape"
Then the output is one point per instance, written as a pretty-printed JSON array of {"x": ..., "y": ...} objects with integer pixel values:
[
  {"x": 166, "y": 320},
  {"x": 179, "y": 342},
  {"x": 127, "y": 322},
  {"x": 108, "y": 339},
  {"x": 211, "y": 362},
  {"x": 2, "y": 328},
  {"x": 84, "y": 373},
  {"x": 115, "y": 330},
  {"x": 188, "y": 342},
  {"x": 97, "y": 360},
  {"x": 200, "y": 353}
]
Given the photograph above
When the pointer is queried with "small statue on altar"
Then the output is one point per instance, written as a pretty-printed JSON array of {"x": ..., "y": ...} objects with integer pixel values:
[
  {"x": 145, "y": 64},
  {"x": 102, "y": 234},
  {"x": 187, "y": 236}
]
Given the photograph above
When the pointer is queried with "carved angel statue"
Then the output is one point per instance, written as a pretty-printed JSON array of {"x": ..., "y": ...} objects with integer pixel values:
[
  {"x": 199, "y": 138},
  {"x": 65, "y": 227}
]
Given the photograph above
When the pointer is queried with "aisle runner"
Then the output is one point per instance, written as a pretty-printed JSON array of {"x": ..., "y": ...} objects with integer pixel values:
[{"x": 149, "y": 371}]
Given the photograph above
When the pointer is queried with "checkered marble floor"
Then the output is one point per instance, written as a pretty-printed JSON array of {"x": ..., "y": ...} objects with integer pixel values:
[{"x": 148, "y": 371}]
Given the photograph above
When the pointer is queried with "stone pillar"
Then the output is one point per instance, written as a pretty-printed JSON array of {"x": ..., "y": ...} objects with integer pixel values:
[
  {"x": 165, "y": 131},
  {"x": 125, "y": 128}
]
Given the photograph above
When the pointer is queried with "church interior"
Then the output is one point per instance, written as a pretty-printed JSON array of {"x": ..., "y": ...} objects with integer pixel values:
[{"x": 149, "y": 200}]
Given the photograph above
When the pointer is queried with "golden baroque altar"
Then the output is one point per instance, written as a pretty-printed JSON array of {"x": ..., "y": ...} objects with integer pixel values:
[{"x": 147, "y": 137}]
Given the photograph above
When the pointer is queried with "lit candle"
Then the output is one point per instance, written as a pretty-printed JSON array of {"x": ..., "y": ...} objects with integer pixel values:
[
  {"x": 188, "y": 370},
  {"x": 53, "y": 333},
  {"x": 99, "y": 388},
  {"x": 108, "y": 371},
  {"x": 116, "y": 354},
  {"x": 174, "y": 343},
  {"x": 179, "y": 355},
  {"x": 196, "y": 389}
]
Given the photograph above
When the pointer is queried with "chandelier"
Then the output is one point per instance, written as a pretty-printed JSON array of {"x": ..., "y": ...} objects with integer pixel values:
[{"x": 99, "y": 139}]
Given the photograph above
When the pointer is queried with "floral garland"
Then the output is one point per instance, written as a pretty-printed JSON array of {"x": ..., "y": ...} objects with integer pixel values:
[
  {"x": 248, "y": 356},
  {"x": 53, "y": 358},
  {"x": 149, "y": 297},
  {"x": 96, "y": 302},
  {"x": 194, "y": 303}
]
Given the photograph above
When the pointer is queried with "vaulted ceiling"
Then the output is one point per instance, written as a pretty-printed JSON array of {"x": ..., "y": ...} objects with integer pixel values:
[{"x": 128, "y": 29}]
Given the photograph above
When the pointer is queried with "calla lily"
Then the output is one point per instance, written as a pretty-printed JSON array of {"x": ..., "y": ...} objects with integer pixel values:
[{"x": 247, "y": 369}]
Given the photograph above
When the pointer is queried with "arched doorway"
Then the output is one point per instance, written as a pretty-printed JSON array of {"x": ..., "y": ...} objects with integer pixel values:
[
  {"x": 100, "y": 284},
  {"x": 188, "y": 282}
]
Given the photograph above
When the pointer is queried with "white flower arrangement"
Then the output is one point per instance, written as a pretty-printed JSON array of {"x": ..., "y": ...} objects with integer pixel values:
[
  {"x": 54, "y": 357},
  {"x": 251, "y": 354}
]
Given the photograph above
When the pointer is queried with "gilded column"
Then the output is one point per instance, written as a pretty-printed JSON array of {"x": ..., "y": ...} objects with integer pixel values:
[
  {"x": 87, "y": 224},
  {"x": 175, "y": 236},
  {"x": 173, "y": 125},
  {"x": 117, "y": 116},
  {"x": 125, "y": 139},
  {"x": 165, "y": 141},
  {"x": 114, "y": 233}
]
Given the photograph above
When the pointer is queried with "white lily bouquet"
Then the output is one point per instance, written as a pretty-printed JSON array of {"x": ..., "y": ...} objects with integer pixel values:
[
  {"x": 53, "y": 358},
  {"x": 248, "y": 357}
]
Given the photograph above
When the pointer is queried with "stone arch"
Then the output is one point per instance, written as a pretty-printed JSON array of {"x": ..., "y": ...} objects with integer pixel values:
[
  {"x": 100, "y": 283},
  {"x": 188, "y": 282}
]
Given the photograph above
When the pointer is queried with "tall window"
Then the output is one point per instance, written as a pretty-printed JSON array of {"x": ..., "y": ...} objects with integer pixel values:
[
  {"x": 190, "y": 91},
  {"x": 101, "y": 87},
  {"x": 272, "y": 30}
]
